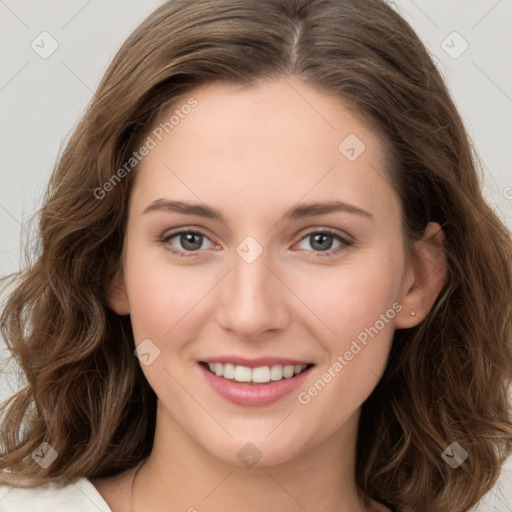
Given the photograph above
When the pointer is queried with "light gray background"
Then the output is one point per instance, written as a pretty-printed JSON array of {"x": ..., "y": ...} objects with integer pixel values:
[{"x": 41, "y": 100}]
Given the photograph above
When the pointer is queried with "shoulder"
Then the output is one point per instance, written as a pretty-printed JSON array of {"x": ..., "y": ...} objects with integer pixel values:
[{"x": 78, "y": 495}]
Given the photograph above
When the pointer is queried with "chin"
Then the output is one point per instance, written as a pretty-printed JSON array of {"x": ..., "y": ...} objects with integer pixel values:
[{"x": 256, "y": 451}]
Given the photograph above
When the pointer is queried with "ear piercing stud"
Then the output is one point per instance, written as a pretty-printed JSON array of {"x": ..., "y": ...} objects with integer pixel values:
[{"x": 412, "y": 312}]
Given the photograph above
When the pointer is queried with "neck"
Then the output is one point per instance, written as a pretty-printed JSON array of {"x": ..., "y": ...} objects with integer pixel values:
[{"x": 182, "y": 475}]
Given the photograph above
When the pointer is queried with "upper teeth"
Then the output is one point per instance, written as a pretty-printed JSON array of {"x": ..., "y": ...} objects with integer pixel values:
[{"x": 259, "y": 374}]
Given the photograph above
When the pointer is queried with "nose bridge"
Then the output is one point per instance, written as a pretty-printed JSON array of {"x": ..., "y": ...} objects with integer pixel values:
[{"x": 252, "y": 299}]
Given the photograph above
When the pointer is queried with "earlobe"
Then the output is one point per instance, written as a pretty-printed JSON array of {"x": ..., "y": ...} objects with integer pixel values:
[
  {"x": 429, "y": 273},
  {"x": 117, "y": 298}
]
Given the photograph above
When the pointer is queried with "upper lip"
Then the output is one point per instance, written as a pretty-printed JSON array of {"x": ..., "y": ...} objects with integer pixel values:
[{"x": 254, "y": 363}]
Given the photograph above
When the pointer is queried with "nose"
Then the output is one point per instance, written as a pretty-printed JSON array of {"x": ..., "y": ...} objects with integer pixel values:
[{"x": 252, "y": 300}]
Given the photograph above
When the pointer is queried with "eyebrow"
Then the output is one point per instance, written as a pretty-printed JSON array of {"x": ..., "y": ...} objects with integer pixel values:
[{"x": 297, "y": 212}]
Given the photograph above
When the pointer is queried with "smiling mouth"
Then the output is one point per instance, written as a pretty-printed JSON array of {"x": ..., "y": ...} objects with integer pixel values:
[{"x": 258, "y": 375}]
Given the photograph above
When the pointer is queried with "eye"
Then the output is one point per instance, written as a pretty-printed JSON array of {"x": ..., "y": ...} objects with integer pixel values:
[
  {"x": 188, "y": 241},
  {"x": 322, "y": 242}
]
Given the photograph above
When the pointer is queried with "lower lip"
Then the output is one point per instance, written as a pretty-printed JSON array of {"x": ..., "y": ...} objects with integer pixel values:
[{"x": 253, "y": 395}]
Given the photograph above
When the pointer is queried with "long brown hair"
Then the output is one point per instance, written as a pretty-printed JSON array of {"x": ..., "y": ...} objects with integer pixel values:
[{"x": 446, "y": 379}]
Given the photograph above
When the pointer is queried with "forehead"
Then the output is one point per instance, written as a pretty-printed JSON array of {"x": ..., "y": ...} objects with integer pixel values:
[{"x": 281, "y": 140}]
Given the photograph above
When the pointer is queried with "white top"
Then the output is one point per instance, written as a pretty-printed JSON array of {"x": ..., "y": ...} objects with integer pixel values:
[{"x": 80, "y": 495}]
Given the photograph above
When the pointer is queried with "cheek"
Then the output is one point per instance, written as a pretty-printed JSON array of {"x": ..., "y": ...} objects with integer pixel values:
[
  {"x": 356, "y": 357},
  {"x": 349, "y": 298},
  {"x": 164, "y": 297},
  {"x": 359, "y": 305}
]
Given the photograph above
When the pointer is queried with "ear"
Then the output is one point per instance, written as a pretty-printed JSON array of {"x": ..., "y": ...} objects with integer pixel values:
[
  {"x": 425, "y": 278},
  {"x": 117, "y": 298}
]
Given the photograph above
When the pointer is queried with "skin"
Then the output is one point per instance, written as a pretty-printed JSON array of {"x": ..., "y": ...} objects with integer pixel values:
[{"x": 289, "y": 302}]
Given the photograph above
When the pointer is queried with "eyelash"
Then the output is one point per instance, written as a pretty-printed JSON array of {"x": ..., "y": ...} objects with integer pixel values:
[{"x": 345, "y": 242}]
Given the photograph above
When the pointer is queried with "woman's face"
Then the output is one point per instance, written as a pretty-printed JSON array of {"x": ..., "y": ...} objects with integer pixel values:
[{"x": 268, "y": 280}]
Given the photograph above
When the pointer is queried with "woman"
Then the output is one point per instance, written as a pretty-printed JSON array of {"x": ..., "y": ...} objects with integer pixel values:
[{"x": 268, "y": 278}]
